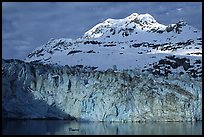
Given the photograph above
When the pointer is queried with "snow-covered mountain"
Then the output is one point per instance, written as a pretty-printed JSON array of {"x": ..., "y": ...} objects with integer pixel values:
[
  {"x": 137, "y": 41},
  {"x": 71, "y": 79}
]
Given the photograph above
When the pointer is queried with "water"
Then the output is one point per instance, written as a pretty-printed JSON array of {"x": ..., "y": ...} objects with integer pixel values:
[{"x": 63, "y": 127}]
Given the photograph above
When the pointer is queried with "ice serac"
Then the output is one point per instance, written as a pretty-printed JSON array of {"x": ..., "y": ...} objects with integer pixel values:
[
  {"x": 34, "y": 90},
  {"x": 131, "y": 69}
]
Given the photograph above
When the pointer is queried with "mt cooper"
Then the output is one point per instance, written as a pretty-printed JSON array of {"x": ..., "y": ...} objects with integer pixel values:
[{"x": 131, "y": 69}]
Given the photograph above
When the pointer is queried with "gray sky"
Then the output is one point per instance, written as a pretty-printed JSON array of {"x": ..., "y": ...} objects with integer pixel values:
[{"x": 27, "y": 25}]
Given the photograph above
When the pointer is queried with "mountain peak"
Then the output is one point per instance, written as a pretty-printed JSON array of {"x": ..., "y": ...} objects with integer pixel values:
[
  {"x": 132, "y": 16},
  {"x": 135, "y": 22},
  {"x": 137, "y": 41},
  {"x": 142, "y": 18},
  {"x": 132, "y": 27}
]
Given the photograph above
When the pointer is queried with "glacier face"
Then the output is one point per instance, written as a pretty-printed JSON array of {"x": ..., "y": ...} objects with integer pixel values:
[{"x": 35, "y": 90}]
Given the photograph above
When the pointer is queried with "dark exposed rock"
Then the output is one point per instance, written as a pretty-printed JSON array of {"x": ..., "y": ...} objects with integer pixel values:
[
  {"x": 74, "y": 51},
  {"x": 109, "y": 45},
  {"x": 91, "y": 51}
]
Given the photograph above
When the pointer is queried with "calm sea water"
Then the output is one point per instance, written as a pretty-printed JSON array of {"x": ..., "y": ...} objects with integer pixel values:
[{"x": 63, "y": 127}]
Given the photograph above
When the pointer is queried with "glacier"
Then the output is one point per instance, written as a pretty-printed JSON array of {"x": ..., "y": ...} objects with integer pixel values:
[{"x": 38, "y": 91}]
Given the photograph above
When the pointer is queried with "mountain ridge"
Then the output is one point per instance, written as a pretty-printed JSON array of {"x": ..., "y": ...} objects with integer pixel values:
[{"x": 137, "y": 39}]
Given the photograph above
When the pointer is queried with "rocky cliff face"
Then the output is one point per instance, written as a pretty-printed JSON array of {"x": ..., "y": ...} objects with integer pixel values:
[{"x": 35, "y": 90}]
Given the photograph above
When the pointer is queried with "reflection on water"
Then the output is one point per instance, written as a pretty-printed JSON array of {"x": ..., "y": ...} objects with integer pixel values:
[{"x": 61, "y": 127}]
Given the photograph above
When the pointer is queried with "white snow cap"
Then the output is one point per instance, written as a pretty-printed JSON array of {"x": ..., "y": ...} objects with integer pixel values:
[
  {"x": 141, "y": 17},
  {"x": 146, "y": 17},
  {"x": 132, "y": 20},
  {"x": 132, "y": 16}
]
